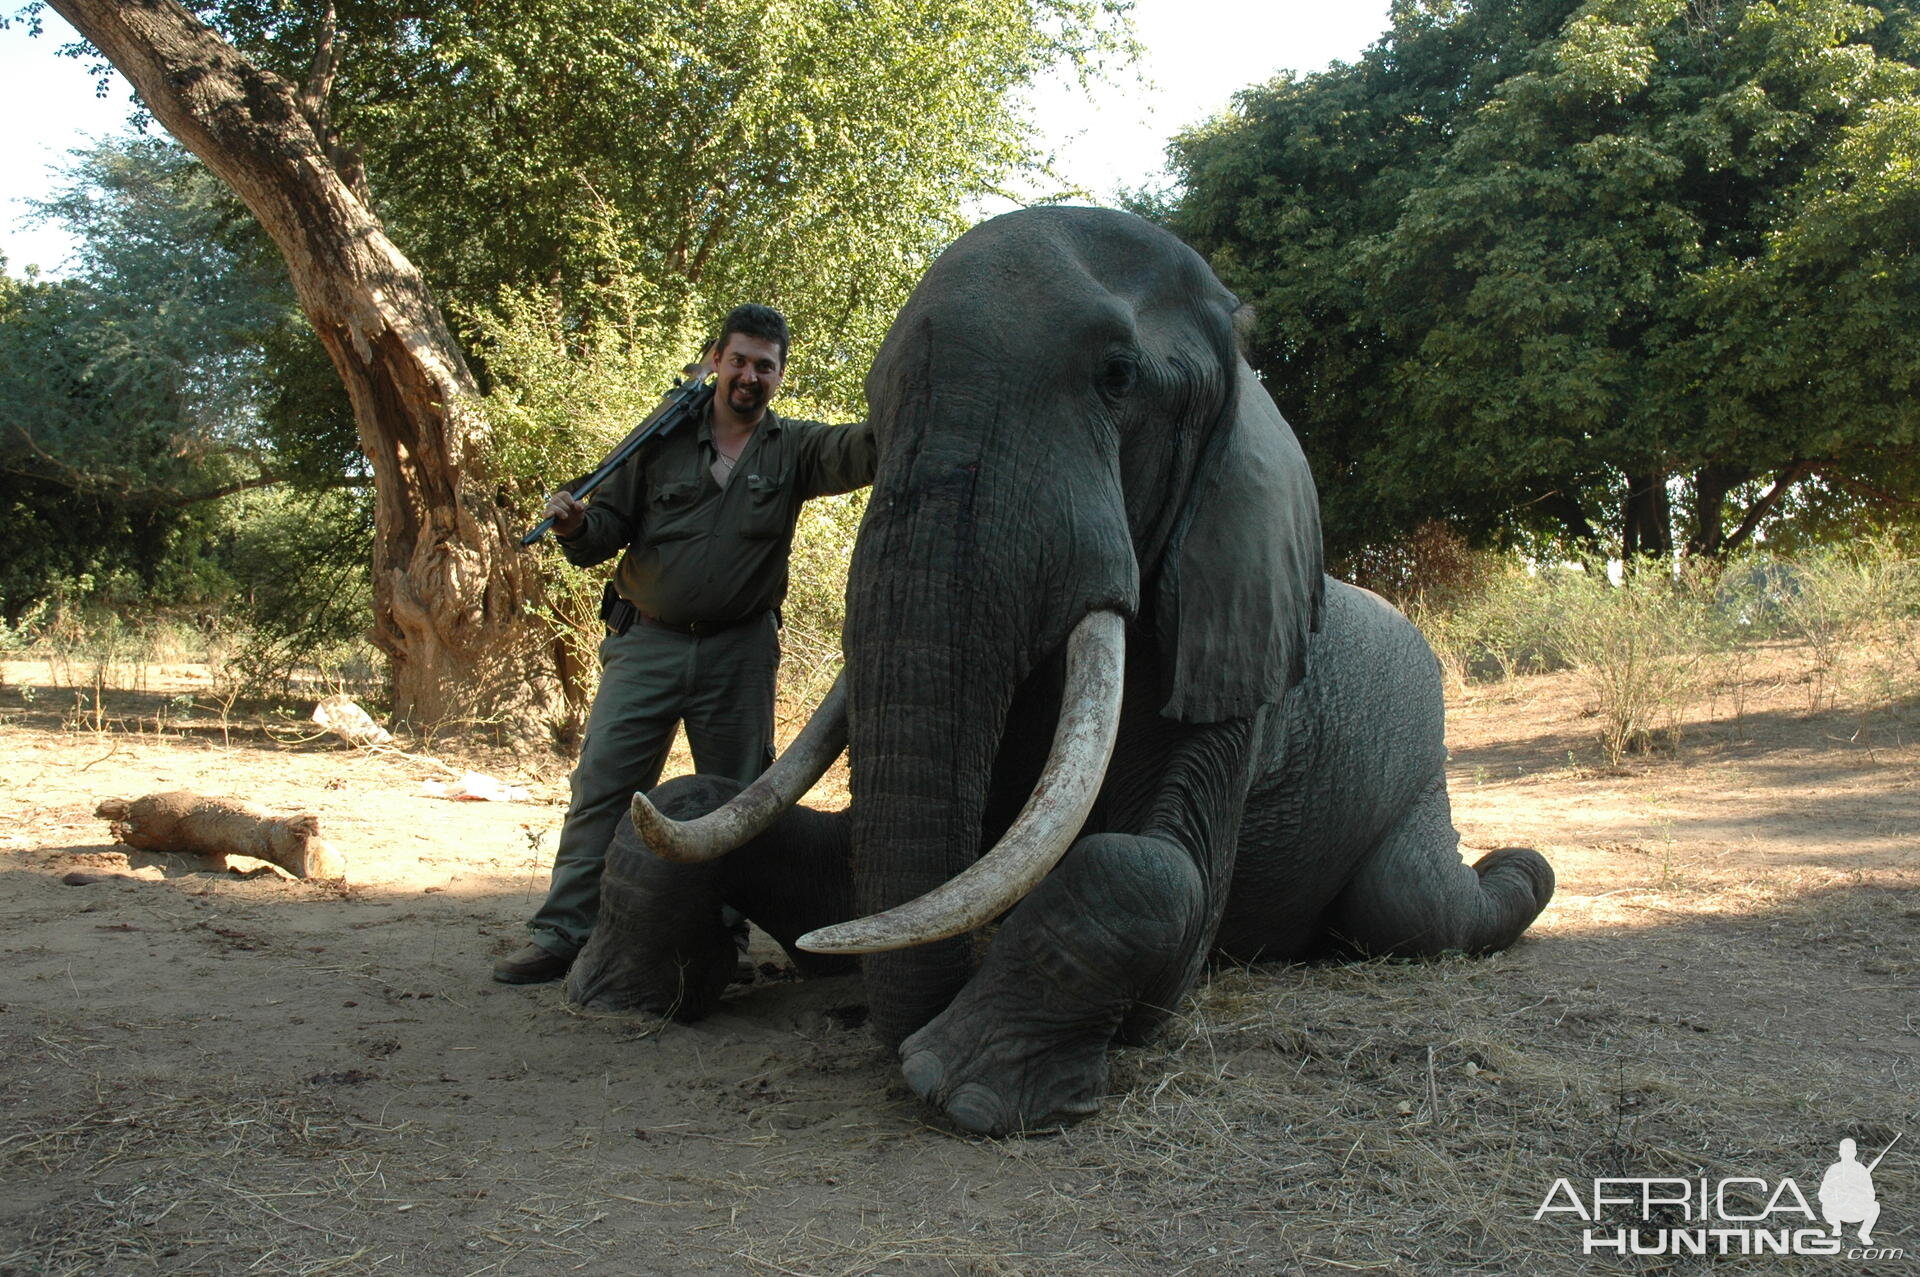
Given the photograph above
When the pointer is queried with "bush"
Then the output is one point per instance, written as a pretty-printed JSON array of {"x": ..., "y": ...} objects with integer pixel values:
[
  {"x": 1645, "y": 648},
  {"x": 1642, "y": 647},
  {"x": 1502, "y": 628},
  {"x": 303, "y": 595},
  {"x": 816, "y": 606},
  {"x": 1853, "y": 606}
]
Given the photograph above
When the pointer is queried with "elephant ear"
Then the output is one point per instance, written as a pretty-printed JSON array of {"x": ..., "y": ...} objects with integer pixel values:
[{"x": 1240, "y": 589}]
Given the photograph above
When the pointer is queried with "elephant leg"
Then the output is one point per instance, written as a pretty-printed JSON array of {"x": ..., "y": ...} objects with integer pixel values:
[
  {"x": 1112, "y": 936},
  {"x": 794, "y": 878},
  {"x": 1413, "y": 896},
  {"x": 660, "y": 943}
]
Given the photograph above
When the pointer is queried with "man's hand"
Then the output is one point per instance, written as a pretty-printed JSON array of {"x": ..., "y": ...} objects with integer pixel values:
[{"x": 567, "y": 511}]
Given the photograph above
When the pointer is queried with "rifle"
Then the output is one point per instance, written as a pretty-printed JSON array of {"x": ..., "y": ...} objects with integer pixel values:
[{"x": 685, "y": 402}]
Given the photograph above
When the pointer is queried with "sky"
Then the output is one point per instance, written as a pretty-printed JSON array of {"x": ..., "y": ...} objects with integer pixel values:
[{"x": 1198, "y": 54}]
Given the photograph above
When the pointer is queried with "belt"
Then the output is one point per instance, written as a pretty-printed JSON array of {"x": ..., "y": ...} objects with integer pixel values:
[{"x": 695, "y": 627}]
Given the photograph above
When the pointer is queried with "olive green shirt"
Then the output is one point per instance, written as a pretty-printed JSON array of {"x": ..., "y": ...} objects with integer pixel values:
[{"x": 700, "y": 553}]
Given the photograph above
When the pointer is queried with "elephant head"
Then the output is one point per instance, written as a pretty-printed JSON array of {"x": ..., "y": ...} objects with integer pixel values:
[{"x": 1066, "y": 430}]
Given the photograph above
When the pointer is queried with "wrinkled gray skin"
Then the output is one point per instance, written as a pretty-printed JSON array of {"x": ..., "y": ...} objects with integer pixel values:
[{"x": 1065, "y": 426}]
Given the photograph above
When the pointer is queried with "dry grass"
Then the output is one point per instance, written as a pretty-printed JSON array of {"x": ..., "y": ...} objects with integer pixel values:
[{"x": 1371, "y": 1117}]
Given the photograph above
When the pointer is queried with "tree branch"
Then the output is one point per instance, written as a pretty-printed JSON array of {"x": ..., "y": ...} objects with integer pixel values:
[
  {"x": 1875, "y": 494},
  {"x": 326, "y": 63},
  {"x": 265, "y": 479},
  {"x": 1795, "y": 471},
  {"x": 1566, "y": 507}
]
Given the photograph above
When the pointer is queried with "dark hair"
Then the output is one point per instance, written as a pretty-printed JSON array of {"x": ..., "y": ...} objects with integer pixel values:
[{"x": 754, "y": 320}]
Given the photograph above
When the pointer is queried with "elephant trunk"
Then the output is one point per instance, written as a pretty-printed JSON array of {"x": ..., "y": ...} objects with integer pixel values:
[
  {"x": 922, "y": 739},
  {"x": 967, "y": 577},
  {"x": 1062, "y": 798}
]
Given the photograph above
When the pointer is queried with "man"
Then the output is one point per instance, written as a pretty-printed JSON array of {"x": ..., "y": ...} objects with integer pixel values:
[{"x": 706, "y": 517}]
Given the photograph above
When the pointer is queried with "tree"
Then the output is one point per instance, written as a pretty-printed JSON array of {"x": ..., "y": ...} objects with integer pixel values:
[
  {"x": 808, "y": 152},
  {"x": 132, "y": 386},
  {"x": 143, "y": 395},
  {"x": 1280, "y": 193},
  {"x": 1587, "y": 289},
  {"x": 449, "y": 586},
  {"x": 81, "y": 456}
]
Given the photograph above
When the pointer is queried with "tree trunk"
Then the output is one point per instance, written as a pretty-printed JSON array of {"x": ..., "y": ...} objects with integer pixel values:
[
  {"x": 1711, "y": 484},
  {"x": 1573, "y": 517},
  {"x": 1647, "y": 528},
  {"x": 449, "y": 580}
]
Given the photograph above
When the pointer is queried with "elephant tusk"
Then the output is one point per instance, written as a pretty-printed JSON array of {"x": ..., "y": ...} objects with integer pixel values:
[
  {"x": 755, "y": 808},
  {"x": 1040, "y": 835}
]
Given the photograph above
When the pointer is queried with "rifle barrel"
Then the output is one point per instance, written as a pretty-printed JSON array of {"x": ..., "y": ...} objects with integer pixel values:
[{"x": 686, "y": 399}]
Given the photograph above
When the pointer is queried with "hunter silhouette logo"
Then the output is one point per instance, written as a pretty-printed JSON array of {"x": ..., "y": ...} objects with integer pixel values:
[
  {"x": 1846, "y": 1192},
  {"x": 1673, "y": 1216}
]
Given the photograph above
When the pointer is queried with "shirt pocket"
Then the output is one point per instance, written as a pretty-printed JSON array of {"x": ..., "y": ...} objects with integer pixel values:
[
  {"x": 671, "y": 511},
  {"x": 765, "y": 514}
]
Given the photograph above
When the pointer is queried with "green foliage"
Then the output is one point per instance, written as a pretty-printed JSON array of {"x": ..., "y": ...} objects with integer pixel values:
[
  {"x": 94, "y": 460},
  {"x": 140, "y": 396},
  {"x": 811, "y": 154},
  {"x": 1528, "y": 264},
  {"x": 301, "y": 596}
]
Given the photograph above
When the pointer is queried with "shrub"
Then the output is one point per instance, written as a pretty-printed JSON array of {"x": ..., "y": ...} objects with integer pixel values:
[
  {"x": 1853, "y": 606},
  {"x": 816, "y": 606},
  {"x": 303, "y": 594},
  {"x": 1641, "y": 646}
]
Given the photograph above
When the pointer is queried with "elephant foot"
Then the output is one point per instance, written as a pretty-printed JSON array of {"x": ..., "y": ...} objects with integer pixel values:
[
  {"x": 1108, "y": 940},
  {"x": 1035, "y": 1075},
  {"x": 1523, "y": 863},
  {"x": 658, "y": 943},
  {"x": 1518, "y": 882},
  {"x": 682, "y": 983}
]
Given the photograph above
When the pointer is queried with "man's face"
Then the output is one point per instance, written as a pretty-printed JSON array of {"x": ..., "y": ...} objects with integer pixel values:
[{"x": 750, "y": 371}]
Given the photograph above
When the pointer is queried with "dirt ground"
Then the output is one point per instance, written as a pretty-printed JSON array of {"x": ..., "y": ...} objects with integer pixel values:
[{"x": 206, "y": 1071}]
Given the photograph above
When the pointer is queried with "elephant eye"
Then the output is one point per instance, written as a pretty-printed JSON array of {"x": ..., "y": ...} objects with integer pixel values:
[{"x": 1118, "y": 376}]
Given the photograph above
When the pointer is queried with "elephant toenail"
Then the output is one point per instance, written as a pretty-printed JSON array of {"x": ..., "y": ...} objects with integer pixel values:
[
  {"x": 977, "y": 1109},
  {"x": 924, "y": 1073}
]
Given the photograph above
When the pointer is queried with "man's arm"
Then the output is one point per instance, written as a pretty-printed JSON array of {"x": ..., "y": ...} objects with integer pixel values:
[
  {"x": 836, "y": 458},
  {"x": 594, "y": 531}
]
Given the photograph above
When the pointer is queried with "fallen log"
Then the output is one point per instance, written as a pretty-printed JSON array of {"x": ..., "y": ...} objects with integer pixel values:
[{"x": 183, "y": 822}]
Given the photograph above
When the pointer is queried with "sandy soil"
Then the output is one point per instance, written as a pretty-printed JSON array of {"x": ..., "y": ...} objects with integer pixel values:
[{"x": 206, "y": 1071}]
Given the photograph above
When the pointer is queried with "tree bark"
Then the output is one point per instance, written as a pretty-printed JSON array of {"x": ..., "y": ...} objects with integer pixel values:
[
  {"x": 449, "y": 580},
  {"x": 1647, "y": 528},
  {"x": 1761, "y": 508},
  {"x": 1711, "y": 484}
]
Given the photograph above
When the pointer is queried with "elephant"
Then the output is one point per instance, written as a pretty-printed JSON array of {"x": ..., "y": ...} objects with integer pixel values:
[{"x": 1097, "y": 689}]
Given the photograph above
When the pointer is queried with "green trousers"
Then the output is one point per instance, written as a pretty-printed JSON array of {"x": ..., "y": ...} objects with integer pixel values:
[{"x": 651, "y": 680}]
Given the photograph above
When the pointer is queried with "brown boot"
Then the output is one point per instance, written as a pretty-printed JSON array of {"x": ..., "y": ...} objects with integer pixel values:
[{"x": 531, "y": 965}]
